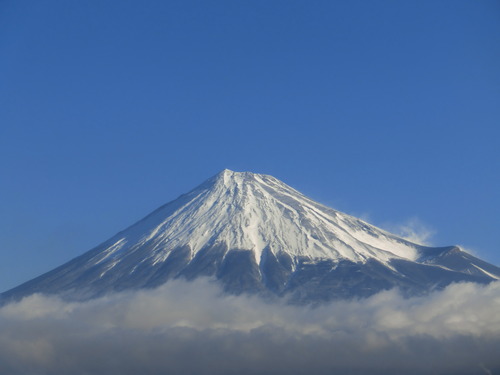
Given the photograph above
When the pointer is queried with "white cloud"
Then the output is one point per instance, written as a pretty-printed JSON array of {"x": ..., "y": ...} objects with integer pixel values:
[
  {"x": 413, "y": 230},
  {"x": 192, "y": 328}
]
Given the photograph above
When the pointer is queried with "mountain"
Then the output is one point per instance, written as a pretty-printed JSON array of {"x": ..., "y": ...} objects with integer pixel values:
[{"x": 255, "y": 234}]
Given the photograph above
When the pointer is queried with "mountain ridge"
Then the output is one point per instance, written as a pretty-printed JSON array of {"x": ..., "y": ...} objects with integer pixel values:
[{"x": 255, "y": 234}]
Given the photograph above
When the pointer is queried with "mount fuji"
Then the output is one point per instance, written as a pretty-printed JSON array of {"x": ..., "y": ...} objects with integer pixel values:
[{"x": 254, "y": 234}]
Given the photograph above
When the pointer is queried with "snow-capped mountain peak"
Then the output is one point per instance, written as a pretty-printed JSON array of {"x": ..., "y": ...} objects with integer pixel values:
[
  {"x": 255, "y": 234},
  {"x": 250, "y": 211}
]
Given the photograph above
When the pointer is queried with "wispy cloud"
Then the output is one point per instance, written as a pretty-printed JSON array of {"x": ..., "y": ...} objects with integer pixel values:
[
  {"x": 413, "y": 230},
  {"x": 191, "y": 328}
]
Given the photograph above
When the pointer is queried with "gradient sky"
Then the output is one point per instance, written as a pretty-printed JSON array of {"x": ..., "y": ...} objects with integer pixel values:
[{"x": 388, "y": 110}]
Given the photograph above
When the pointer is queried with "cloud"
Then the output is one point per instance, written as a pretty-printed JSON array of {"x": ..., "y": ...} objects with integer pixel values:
[
  {"x": 192, "y": 328},
  {"x": 413, "y": 230}
]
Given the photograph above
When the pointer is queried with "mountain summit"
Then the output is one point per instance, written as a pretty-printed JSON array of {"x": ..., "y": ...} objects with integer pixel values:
[{"x": 255, "y": 234}]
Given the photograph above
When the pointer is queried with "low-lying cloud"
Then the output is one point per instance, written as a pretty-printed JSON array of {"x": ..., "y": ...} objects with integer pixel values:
[{"x": 192, "y": 328}]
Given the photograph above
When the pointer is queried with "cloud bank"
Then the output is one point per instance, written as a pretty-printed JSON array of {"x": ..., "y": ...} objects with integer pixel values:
[{"x": 192, "y": 328}]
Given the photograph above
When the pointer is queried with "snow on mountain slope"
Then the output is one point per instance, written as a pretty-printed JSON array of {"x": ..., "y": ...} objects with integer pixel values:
[
  {"x": 254, "y": 234},
  {"x": 252, "y": 212}
]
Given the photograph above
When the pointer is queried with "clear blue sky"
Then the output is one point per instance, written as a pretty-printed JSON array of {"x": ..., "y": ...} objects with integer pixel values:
[{"x": 108, "y": 109}]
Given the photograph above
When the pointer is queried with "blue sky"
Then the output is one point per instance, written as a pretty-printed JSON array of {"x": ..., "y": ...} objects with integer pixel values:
[{"x": 382, "y": 109}]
